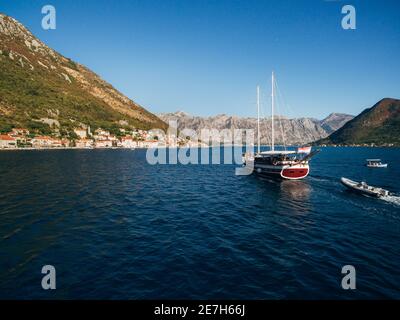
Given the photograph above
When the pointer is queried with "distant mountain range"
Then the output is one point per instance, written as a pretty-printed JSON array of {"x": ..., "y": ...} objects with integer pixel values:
[
  {"x": 378, "y": 125},
  {"x": 296, "y": 131},
  {"x": 335, "y": 121},
  {"x": 48, "y": 93}
]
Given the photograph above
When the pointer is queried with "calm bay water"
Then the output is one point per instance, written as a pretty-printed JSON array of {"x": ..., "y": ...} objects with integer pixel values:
[{"x": 117, "y": 228}]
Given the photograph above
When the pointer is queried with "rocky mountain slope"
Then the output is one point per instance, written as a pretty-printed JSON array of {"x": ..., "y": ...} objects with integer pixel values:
[
  {"x": 48, "y": 93},
  {"x": 379, "y": 125},
  {"x": 296, "y": 131},
  {"x": 335, "y": 121}
]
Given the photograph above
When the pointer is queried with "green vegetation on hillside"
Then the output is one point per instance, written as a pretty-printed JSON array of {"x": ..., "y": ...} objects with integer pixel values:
[
  {"x": 35, "y": 94},
  {"x": 36, "y": 89},
  {"x": 379, "y": 125}
]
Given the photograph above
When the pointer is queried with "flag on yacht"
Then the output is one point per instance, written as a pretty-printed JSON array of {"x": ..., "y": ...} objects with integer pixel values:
[{"x": 304, "y": 150}]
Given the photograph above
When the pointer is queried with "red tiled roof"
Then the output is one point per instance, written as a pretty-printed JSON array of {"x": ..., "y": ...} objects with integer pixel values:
[{"x": 6, "y": 137}]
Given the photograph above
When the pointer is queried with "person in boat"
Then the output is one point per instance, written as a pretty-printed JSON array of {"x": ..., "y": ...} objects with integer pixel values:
[{"x": 362, "y": 185}]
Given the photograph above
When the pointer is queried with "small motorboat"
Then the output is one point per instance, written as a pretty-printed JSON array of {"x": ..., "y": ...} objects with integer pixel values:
[
  {"x": 364, "y": 188},
  {"x": 376, "y": 163}
]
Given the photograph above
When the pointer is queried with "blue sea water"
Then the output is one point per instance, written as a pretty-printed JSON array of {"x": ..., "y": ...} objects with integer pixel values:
[{"x": 115, "y": 227}]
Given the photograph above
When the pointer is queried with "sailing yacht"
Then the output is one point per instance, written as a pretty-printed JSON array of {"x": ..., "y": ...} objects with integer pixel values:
[{"x": 286, "y": 164}]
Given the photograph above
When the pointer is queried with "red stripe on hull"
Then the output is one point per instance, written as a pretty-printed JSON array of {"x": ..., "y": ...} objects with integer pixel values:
[{"x": 295, "y": 173}]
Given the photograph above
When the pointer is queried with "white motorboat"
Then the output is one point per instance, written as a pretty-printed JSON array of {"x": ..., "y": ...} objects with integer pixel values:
[
  {"x": 376, "y": 163},
  {"x": 364, "y": 188}
]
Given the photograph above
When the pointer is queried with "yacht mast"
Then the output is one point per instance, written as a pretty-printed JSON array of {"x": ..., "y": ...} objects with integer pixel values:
[
  {"x": 258, "y": 119},
  {"x": 272, "y": 115}
]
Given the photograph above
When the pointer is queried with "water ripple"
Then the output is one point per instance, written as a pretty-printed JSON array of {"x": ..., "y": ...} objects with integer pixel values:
[{"x": 118, "y": 228}]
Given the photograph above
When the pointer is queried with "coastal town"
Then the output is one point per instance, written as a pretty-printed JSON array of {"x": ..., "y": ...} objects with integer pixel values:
[{"x": 21, "y": 138}]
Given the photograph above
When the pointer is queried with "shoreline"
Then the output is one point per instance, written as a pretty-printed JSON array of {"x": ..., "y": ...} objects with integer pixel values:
[
  {"x": 166, "y": 147},
  {"x": 106, "y": 148}
]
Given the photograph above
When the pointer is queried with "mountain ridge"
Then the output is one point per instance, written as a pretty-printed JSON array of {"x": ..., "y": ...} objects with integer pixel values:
[
  {"x": 37, "y": 83},
  {"x": 335, "y": 121},
  {"x": 295, "y": 131},
  {"x": 377, "y": 125}
]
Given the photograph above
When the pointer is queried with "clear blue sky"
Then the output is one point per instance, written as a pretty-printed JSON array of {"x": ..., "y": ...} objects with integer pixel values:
[{"x": 206, "y": 57}]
